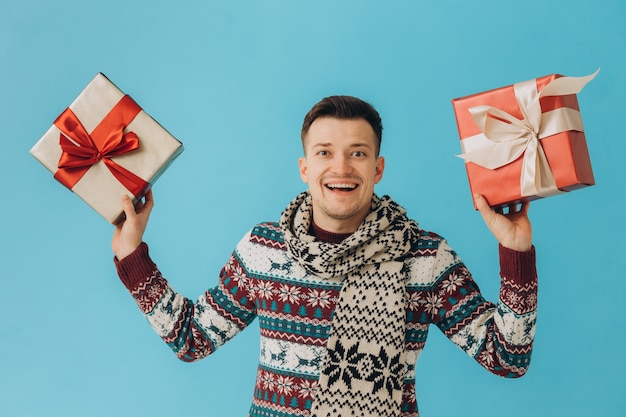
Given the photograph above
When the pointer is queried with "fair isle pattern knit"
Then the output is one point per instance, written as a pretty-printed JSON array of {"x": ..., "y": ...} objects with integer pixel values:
[
  {"x": 295, "y": 309},
  {"x": 361, "y": 373}
]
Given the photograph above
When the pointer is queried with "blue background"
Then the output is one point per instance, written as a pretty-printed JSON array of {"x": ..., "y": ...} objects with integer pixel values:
[{"x": 232, "y": 80}]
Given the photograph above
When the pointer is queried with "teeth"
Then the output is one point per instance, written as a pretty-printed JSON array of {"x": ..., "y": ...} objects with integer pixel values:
[{"x": 346, "y": 186}]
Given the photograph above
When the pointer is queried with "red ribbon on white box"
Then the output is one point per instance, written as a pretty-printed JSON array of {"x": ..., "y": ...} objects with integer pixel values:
[
  {"x": 505, "y": 138},
  {"x": 81, "y": 150}
]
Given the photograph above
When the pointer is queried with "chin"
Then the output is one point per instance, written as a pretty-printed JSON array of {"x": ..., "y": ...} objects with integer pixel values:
[{"x": 344, "y": 213}]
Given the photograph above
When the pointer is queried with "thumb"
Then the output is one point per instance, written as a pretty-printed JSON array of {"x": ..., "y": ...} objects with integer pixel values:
[
  {"x": 127, "y": 206},
  {"x": 483, "y": 206},
  {"x": 490, "y": 217}
]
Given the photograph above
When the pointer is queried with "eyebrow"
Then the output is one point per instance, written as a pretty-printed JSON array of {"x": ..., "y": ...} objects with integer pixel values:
[{"x": 354, "y": 145}]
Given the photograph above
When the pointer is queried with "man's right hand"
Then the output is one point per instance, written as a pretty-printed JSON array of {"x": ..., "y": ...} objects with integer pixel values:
[{"x": 128, "y": 234}]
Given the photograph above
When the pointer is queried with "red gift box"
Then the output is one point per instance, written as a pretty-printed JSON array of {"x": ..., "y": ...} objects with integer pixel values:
[{"x": 524, "y": 141}]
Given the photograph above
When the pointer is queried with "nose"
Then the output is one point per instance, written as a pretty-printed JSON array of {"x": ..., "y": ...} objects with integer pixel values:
[{"x": 341, "y": 165}]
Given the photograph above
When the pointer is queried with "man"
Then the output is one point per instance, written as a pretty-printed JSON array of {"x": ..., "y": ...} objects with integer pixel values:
[{"x": 345, "y": 286}]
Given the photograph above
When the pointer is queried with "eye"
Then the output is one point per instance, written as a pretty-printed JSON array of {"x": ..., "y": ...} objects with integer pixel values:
[
  {"x": 358, "y": 154},
  {"x": 323, "y": 153}
]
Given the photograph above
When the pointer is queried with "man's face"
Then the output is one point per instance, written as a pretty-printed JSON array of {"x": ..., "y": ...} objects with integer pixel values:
[{"x": 341, "y": 167}]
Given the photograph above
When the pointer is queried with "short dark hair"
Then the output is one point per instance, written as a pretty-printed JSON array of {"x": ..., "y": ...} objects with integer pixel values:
[{"x": 345, "y": 107}]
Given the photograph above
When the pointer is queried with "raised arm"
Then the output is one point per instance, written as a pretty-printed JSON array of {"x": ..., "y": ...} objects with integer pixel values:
[
  {"x": 191, "y": 329},
  {"x": 498, "y": 336}
]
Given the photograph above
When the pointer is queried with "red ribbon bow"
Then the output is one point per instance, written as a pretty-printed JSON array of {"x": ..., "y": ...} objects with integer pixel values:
[{"x": 81, "y": 150}]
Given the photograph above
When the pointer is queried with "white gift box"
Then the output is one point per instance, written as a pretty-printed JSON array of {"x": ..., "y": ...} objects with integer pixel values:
[{"x": 121, "y": 150}]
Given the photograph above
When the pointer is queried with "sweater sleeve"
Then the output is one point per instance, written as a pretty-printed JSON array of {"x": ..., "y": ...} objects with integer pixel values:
[
  {"x": 498, "y": 336},
  {"x": 136, "y": 268},
  {"x": 193, "y": 330}
]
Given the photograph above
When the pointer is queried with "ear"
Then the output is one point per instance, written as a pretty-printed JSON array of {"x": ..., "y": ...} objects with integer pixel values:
[
  {"x": 303, "y": 169},
  {"x": 380, "y": 168}
]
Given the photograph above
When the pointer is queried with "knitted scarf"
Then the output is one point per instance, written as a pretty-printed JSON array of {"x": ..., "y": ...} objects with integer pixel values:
[{"x": 362, "y": 371}]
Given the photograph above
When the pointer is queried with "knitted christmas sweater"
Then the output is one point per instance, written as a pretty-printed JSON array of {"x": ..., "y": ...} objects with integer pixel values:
[{"x": 295, "y": 310}]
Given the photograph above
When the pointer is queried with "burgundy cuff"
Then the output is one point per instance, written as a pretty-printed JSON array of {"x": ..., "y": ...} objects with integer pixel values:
[
  {"x": 136, "y": 267},
  {"x": 520, "y": 267}
]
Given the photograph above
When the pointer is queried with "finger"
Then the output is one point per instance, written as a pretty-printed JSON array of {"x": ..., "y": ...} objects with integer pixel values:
[
  {"x": 524, "y": 208},
  {"x": 149, "y": 200},
  {"x": 480, "y": 201},
  {"x": 147, "y": 203},
  {"x": 127, "y": 206},
  {"x": 483, "y": 207},
  {"x": 518, "y": 208},
  {"x": 511, "y": 208},
  {"x": 139, "y": 205}
]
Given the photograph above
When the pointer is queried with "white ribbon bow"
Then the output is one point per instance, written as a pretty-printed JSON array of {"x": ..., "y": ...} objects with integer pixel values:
[{"x": 506, "y": 137}]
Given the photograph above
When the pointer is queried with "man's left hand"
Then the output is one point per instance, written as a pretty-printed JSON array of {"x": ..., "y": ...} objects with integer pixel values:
[{"x": 513, "y": 229}]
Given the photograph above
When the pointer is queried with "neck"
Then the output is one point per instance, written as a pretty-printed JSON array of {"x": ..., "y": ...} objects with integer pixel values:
[
  {"x": 326, "y": 236},
  {"x": 339, "y": 226}
]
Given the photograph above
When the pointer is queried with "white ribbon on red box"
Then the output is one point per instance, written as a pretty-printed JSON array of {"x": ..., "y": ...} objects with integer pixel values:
[{"x": 505, "y": 138}]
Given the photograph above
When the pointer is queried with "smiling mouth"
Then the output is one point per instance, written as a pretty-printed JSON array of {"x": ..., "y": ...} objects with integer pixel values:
[{"x": 341, "y": 187}]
